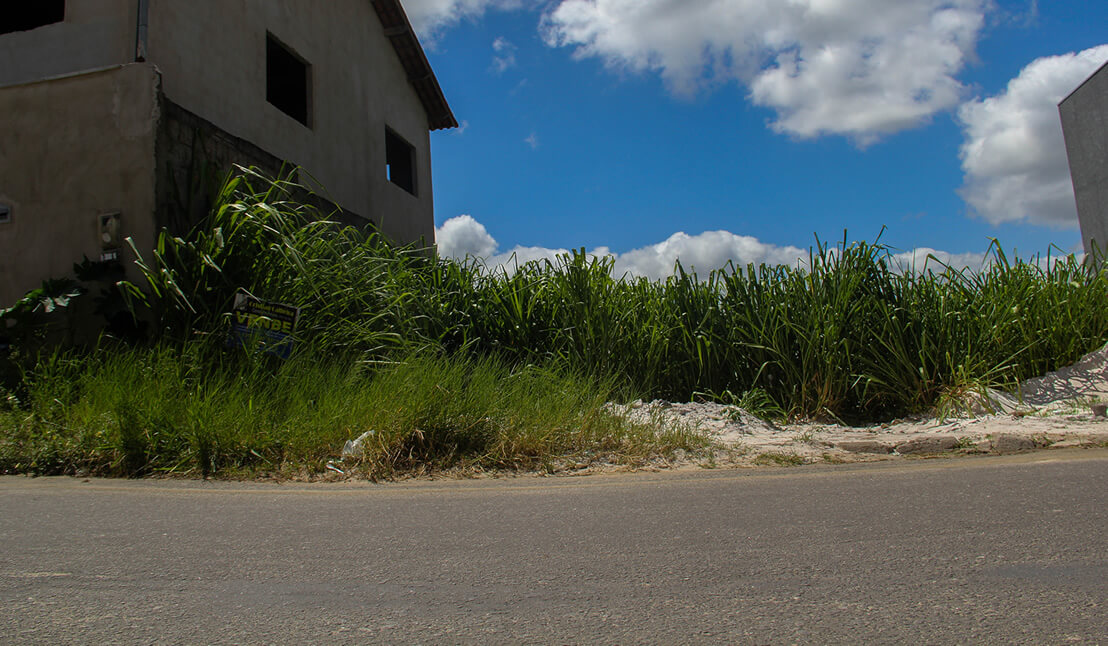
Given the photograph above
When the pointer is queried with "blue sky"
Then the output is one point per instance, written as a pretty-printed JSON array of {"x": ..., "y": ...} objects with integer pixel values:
[{"x": 715, "y": 130}]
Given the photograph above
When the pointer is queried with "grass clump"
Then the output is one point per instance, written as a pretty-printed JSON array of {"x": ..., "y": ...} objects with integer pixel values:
[
  {"x": 846, "y": 335},
  {"x": 163, "y": 410},
  {"x": 457, "y": 364}
]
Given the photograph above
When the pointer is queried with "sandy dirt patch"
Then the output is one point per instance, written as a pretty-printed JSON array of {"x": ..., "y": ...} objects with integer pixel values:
[{"x": 1063, "y": 409}]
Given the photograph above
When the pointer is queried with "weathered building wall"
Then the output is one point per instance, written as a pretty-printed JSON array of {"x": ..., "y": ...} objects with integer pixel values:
[
  {"x": 212, "y": 54},
  {"x": 95, "y": 34},
  {"x": 71, "y": 150},
  {"x": 1085, "y": 125},
  {"x": 193, "y": 159},
  {"x": 86, "y": 132}
]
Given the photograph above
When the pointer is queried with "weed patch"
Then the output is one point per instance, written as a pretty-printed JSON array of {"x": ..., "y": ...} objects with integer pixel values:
[
  {"x": 457, "y": 364},
  {"x": 140, "y": 412}
]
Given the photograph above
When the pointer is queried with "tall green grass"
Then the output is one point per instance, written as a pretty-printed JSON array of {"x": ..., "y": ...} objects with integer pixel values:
[
  {"x": 260, "y": 239},
  {"x": 167, "y": 410},
  {"x": 846, "y": 334}
]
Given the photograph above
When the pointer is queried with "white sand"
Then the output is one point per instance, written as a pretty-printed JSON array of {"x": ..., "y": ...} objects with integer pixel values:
[{"x": 1053, "y": 411}]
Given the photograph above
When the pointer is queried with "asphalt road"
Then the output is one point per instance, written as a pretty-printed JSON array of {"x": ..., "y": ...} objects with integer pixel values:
[{"x": 985, "y": 550}]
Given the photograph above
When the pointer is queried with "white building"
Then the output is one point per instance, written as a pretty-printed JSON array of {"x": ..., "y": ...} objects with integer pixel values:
[
  {"x": 1085, "y": 126},
  {"x": 119, "y": 115}
]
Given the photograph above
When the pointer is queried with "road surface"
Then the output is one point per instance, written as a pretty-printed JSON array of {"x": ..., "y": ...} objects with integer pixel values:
[{"x": 985, "y": 550}]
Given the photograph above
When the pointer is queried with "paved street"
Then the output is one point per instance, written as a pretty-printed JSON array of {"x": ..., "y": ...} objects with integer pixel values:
[{"x": 984, "y": 550}]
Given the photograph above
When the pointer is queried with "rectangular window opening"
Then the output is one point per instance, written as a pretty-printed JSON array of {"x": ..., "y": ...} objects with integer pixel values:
[
  {"x": 287, "y": 81},
  {"x": 400, "y": 162},
  {"x": 25, "y": 16}
]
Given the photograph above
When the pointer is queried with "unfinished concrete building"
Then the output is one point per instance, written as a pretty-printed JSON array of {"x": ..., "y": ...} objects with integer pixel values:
[
  {"x": 1085, "y": 126},
  {"x": 119, "y": 114}
]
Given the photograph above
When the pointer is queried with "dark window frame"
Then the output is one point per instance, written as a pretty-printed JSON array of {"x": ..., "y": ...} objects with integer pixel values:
[
  {"x": 400, "y": 162},
  {"x": 32, "y": 15},
  {"x": 288, "y": 80}
]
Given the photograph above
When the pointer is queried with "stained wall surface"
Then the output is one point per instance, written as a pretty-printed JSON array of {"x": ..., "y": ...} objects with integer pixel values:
[
  {"x": 212, "y": 58},
  {"x": 212, "y": 55},
  {"x": 1085, "y": 125},
  {"x": 73, "y": 149},
  {"x": 94, "y": 34}
]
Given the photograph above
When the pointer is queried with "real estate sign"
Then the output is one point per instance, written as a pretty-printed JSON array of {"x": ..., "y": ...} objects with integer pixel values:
[{"x": 263, "y": 325}]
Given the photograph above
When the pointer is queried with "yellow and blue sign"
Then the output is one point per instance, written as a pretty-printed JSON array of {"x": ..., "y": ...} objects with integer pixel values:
[{"x": 263, "y": 325}]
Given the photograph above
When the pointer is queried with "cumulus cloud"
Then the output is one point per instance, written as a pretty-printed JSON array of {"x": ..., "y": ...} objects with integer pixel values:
[
  {"x": 1014, "y": 156},
  {"x": 532, "y": 140},
  {"x": 925, "y": 258},
  {"x": 859, "y": 68},
  {"x": 463, "y": 237},
  {"x": 429, "y": 17},
  {"x": 702, "y": 253}
]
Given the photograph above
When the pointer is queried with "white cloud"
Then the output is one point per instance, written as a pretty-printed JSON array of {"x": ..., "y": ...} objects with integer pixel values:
[
  {"x": 504, "y": 56},
  {"x": 859, "y": 68},
  {"x": 519, "y": 255},
  {"x": 463, "y": 236},
  {"x": 532, "y": 140},
  {"x": 429, "y": 17},
  {"x": 1013, "y": 156},
  {"x": 703, "y": 253},
  {"x": 925, "y": 258}
]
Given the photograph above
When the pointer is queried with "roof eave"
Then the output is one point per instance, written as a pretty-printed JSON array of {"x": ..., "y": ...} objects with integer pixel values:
[{"x": 420, "y": 75}]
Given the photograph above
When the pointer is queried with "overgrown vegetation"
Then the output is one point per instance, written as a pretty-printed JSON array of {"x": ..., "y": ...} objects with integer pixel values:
[
  {"x": 137, "y": 412},
  {"x": 845, "y": 335}
]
